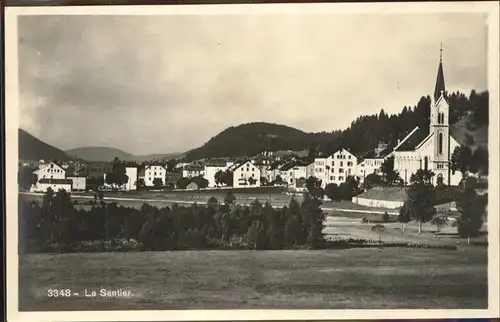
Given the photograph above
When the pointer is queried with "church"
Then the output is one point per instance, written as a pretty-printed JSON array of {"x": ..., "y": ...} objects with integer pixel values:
[{"x": 431, "y": 148}]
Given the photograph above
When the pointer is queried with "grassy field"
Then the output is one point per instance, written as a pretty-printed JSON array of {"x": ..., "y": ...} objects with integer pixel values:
[
  {"x": 364, "y": 278},
  {"x": 357, "y": 278}
]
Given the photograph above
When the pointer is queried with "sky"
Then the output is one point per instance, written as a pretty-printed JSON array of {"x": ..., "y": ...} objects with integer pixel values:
[{"x": 162, "y": 84}]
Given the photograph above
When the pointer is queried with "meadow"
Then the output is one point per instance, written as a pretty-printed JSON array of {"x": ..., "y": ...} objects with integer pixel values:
[
  {"x": 367, "y": 277},
  {"x": 362, "y": 278}
]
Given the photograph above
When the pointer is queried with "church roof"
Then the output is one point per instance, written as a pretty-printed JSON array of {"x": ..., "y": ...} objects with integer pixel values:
[
  {"x": 440, "y": 87},
  {"x": 412, "y": 141}
]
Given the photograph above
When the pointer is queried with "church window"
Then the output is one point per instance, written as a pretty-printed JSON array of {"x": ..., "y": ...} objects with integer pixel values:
[{"x": 440, "y": 143}]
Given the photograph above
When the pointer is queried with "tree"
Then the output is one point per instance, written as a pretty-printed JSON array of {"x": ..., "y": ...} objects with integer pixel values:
[
  {"x": 279, "y": 180},
  {"x": 263, "y": 181},
  {"x": 313, "y": 218},
  {"x": 472, "y": 208},
  {"x": 421, "y": 196},
  {"x": 440, "y": 221},
  {"x": 387, "y": 168},
  {"x": 171, "y": 165},
  {"x": 332, "y": 191},
  {"x": 118, "y": 175},
  {"x": 252, "y": 181},
  {"x": 157, "y": 182},
  {"x": 201, "y": 182},
  {"x": 461, "y": 159},
  {"x": 313, "y": 186},
  {"x": 404, "y": 215},
  {"x": 224, "y": 178},
  {"x": 182, "y": 183},
  {"x": 372, "y": 180},
  {"x": 27, "y": 178},
  {"x": 229, "y": 198},
  {"x": 479, "y": 161},
  {"x": 140, "y": 184}
]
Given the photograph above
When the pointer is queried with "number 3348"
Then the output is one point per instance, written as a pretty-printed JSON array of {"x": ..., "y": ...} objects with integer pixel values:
[{"x": 59, "y": 293}]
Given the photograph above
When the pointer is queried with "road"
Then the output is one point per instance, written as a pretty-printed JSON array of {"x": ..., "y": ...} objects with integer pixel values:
[{"x": 243, "y": 201}]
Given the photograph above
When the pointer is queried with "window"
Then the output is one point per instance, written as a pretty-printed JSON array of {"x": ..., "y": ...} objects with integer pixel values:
[
  {"x": 341, "y": 163},
  {"x": 341, "y": 170},
  {"x": 349, "y": 157},
  {"x": 440, "y": 143},
  {"x": 333, "y": 163},
  {"x": 349, "y": 164},
  {"x": 253, "y": 175},
  {"x": 333, "y": 178},
  {"x": 341, "y": 178}
]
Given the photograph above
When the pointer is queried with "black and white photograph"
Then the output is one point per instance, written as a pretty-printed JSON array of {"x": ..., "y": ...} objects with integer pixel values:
[{"x": 252, "y": 157}]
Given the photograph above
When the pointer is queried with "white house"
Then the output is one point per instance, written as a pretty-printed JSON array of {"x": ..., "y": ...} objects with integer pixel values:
[
  {"x": 133, "y": 177},
  {"x": 51, "y": 175},
  {"x": 193, "y": 170},
  {"x": 343, "y": 165},
  {"x": 301, "y": 171},
  {"x": 245, "y": 172},
  {"x": 373, "y": 160},
  {"x": 336, "y": 167},
  {"x": 430, "y": 148},
  {"x": 153, "y": 171},
  {"x": 211, "y": 168},
  {"x": 79, "y": 183}
]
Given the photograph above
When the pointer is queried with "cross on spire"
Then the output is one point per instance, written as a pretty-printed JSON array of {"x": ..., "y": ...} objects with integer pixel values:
[{"x": 440, "y": 87}]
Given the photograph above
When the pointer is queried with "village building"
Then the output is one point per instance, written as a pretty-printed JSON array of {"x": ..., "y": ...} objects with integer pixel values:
[
  {"x": 301, "y": 172},
  {"x": 152, "y": 172},
  {"x": 212, "y": 167},
  {"x": 335, "y": 168},
  {"x": 245, "y": 174},
  {"x": 78, "y": 183},
  {"x": 193, "y": 170},
  {"x": 372, "y": 161},
  {"x": 51, "y": 175},
  {"x": 133, "y": 176}
]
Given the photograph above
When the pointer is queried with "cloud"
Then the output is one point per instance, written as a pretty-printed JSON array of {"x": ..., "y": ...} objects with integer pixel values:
[{"x": 162, "y": 84}]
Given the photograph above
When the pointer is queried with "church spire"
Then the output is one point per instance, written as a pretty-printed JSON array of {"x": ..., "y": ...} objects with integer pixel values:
[{"x": 440, "y": 88}]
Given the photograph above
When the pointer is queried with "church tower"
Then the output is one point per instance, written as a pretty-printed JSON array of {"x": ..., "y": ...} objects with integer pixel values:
[{"x": 439, "y": 125}]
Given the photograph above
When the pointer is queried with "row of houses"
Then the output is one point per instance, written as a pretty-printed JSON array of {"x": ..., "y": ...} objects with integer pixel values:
[{"x": 290, "y": 171}]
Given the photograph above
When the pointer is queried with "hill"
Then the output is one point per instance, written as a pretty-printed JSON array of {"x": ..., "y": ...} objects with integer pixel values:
[
  {"x": 31, "y": 148},
  {"x": 466, "y": 133},
  {"x": 253, "y": 138},
  {"x": 107, "y": 154}
]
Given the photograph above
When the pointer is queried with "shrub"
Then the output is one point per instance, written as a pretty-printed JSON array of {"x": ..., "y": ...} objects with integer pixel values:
[{"x": 378, "y": 227}]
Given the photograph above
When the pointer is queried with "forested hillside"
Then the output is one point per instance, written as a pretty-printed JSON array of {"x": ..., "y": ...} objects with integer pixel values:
[
  {"x": 365, "y": 132},
  {"x": 253, "y": 138},
  {"x": 468, "y": 117}
]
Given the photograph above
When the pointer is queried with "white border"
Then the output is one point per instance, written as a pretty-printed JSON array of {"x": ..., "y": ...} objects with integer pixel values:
[{"x": 11, "y": 119}]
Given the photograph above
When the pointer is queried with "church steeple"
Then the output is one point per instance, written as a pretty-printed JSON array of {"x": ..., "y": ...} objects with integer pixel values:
[{"x": 440, "y": 87}]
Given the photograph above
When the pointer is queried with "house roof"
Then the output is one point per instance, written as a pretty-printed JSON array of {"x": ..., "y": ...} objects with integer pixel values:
[
  {"x": 288, "y": 166},
  {"x": 193, "y": 167},
  {"x": 154, "y": 165},
  {"x": 304, "y": 163},
  {"x": 55, "y": 181},
  {"x": 216, "y": 163},
  {"x": 240, "y": 164},
  {"x": 385, "y": 193}
]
